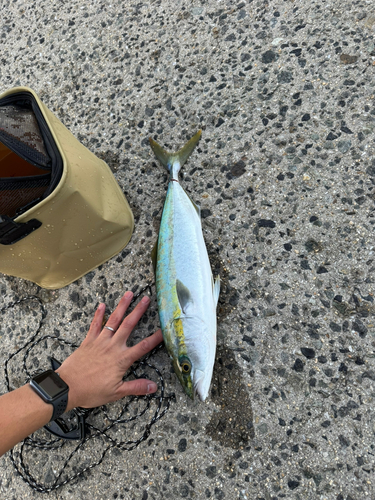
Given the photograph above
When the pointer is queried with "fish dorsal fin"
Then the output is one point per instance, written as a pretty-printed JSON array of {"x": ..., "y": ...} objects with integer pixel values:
[
  {"x": 184, "y": 296},
  {"x": 154, "y": 255},
  {"x": 216, "y": 289}
]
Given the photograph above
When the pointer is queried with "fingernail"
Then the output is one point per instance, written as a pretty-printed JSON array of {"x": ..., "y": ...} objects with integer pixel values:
[
  {"x": 151, "y": 388},
  {"x": 145, "y": 300},
  {"x": 129, "y": 295}
]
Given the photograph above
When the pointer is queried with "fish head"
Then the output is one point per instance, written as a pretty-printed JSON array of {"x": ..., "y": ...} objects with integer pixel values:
[
  {"x": 194, "y": 355},
  {"x": 182, "y": 367}
]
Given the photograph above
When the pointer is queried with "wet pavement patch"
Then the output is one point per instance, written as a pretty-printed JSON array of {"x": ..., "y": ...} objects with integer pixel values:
[
  {"x": 232, "y": 424},
  {"x": 229, "y": 296}
]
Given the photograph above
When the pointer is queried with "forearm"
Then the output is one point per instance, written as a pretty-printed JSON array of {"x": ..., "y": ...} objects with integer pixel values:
[{"x": 22, "y": 412}]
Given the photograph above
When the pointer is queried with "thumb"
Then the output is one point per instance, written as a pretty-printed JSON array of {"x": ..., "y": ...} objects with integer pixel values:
[{"x": 138, "y": 387}]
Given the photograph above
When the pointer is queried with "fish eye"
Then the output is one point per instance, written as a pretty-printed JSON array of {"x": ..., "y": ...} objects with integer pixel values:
[{"x": 185, "y": 365}]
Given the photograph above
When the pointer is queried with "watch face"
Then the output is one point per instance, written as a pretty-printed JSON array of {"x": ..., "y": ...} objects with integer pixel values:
[{"x": 51, "y": 384}]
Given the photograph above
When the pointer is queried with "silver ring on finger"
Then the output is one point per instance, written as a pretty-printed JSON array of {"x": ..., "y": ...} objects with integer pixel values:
[{"x": 109, "y": 328}]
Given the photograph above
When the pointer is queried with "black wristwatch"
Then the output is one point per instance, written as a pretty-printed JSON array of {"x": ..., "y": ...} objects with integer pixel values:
[{"x": 53, "y": 390}]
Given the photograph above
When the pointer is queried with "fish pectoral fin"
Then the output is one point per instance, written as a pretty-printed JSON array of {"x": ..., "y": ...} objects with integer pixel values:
[
  {"x": 216, "y": 289},
  {"x": 154, "y": 255},
  {"x": 183, "y": 295}
]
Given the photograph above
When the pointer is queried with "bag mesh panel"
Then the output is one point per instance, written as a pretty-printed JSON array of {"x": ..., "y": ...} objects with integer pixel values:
[
  {"x": 25, "y": 165},
  {"x": 19, "y": 130},
  {"x": 14, "y": 194}
]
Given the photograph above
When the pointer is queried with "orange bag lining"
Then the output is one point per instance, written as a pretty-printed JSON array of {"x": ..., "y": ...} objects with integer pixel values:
[{"x": 12, "y": 165}]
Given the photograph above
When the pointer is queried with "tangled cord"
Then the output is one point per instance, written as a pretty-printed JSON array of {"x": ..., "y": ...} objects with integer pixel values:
[{"x": 20, "y": 464}]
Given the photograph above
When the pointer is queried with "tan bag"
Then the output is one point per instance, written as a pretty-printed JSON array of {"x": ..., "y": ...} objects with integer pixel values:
[{"x": 62, "y": 212}]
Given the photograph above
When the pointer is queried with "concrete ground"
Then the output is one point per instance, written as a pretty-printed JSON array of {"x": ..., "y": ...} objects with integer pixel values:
[{"x": 285, "y": 174}]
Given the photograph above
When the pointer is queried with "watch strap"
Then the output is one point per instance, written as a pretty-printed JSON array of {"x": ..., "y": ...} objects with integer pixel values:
[{"x": 59, "y": 406}]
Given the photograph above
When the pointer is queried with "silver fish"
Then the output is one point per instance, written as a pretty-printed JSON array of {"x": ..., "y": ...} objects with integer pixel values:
[{"x": 186, "y": 291}]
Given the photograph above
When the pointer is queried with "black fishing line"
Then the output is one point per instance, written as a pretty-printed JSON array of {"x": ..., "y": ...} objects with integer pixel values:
[{"x": 19, "y": 457}]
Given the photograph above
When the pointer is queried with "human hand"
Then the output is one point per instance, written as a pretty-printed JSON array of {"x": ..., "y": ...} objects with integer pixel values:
[{"x": 95, "y": 370}]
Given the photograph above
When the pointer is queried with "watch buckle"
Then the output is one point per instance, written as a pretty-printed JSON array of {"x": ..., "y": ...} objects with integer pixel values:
[{"x": 59, "y": 428}]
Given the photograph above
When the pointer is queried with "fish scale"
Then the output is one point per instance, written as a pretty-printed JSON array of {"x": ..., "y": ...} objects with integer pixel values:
[{"x": 186, "y": 292}]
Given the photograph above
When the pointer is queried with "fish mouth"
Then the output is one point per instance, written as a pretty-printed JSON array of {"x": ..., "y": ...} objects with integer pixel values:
[
  {"x": 199, "y": 385},
  {"x": 194, "y": 384}
]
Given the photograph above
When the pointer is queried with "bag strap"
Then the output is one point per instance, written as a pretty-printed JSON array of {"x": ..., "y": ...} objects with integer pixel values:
[{"x": 11, "y": 232}]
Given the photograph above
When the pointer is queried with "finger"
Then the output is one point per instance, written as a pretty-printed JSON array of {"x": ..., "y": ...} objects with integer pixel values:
[
  {"x": 116, "y": 317},
  {"x": 130, "y": 322},
  {"x": 146, "y": 345},
  {"x": 96, "y": 324},
  {"x": 139, "y": 387}
]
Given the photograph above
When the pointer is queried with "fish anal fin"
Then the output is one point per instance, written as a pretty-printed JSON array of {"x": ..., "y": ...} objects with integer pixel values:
[
  {"x": 197, "y": 207},
  {"x": 216, "y": 289},
  {"x": 183, "y": 295},
  {"x": 154, "y": 255}
]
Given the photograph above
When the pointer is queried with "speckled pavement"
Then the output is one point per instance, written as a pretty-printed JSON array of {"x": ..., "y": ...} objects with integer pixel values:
[{"x": 285, "y": 174}]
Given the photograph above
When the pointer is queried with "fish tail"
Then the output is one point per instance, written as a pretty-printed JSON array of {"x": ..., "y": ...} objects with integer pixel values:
[{"x": 174, "y": 161}]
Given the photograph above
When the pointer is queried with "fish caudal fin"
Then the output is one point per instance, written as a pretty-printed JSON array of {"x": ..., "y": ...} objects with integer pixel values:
[
  {"x": 176, "y": 160},
  {"x": 186, "y": 151},
  {"x": 161, "y": 154}
]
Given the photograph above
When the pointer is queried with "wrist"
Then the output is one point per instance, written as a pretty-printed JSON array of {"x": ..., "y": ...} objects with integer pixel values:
[
  {"x": 36, "y": 403},
  {"x": 72, "y": 397}
]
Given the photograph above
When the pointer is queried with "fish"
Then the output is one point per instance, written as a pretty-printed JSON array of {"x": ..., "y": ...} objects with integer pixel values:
[{"x": 187, "y": 293}]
